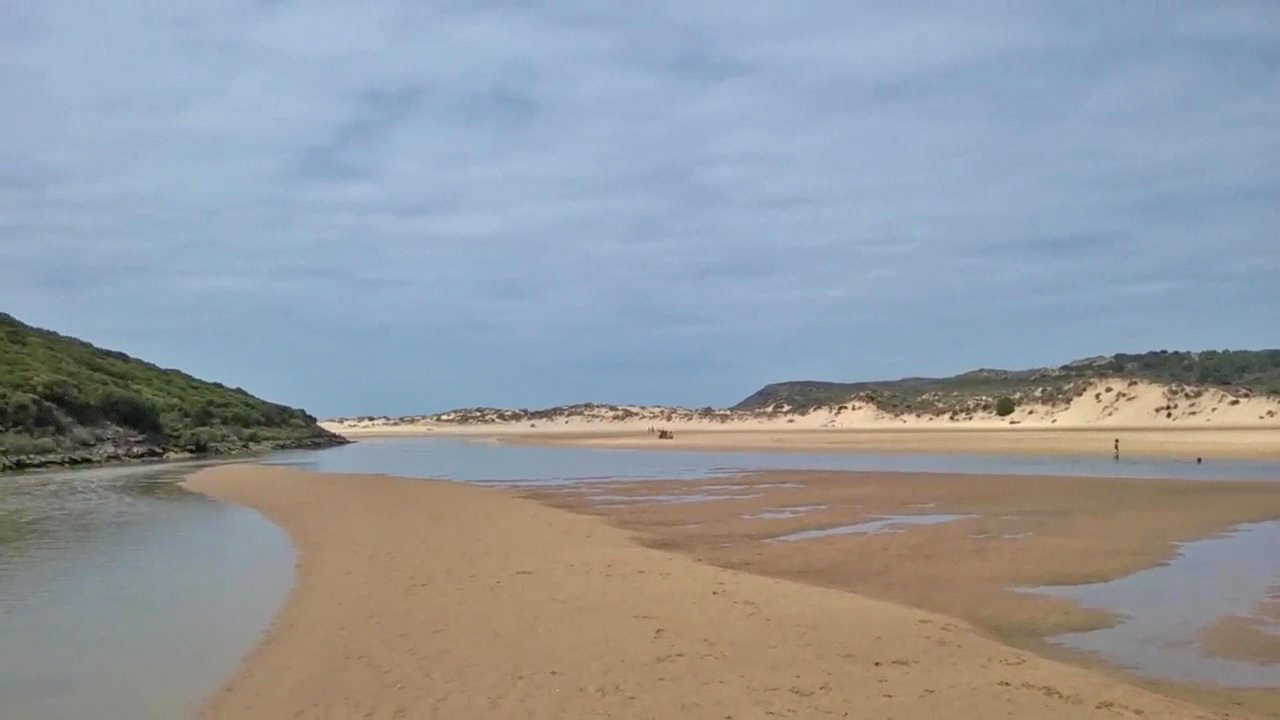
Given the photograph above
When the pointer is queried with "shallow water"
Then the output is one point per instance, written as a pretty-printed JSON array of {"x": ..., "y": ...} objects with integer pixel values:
[
  {"x": 124, "y": 596},
  {"x": 784, "y": 513},
  {"x": 666, "y": 499},
  {"x": 881, "y": 524},
  {"x": 1167, "y": 609},
  {"x": 489, "y": 462}
]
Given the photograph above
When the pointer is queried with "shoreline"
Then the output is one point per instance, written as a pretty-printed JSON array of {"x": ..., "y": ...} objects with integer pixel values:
[
  {"x": 158, "y": 454},
  {"x": 424, "y": 598},
  {"x": 1235, "y": 443}
]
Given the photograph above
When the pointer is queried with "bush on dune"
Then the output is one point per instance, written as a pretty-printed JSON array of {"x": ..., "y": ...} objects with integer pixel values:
[{"x": 1004, "y": 406}]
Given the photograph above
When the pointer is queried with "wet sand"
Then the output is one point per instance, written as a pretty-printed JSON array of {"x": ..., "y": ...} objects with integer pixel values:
[
  {"x": 1166, "y": 442},
  {"x": 425, "y": 599},
  {"x": 997, "y": 533},
  {"x": 1254, "y": 637}
]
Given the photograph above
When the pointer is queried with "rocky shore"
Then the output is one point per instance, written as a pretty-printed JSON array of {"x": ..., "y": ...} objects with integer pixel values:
[{"x": 125, "y": 451}]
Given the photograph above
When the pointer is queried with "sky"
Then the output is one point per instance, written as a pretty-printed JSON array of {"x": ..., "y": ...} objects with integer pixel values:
[{"x": 383, "y": 207}]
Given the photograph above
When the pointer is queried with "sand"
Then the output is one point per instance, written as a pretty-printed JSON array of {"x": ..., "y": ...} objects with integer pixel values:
[
  {"x": 1009, "y": 531},
  {"x": 1016, "y": 531},
  {"x": 1003, "y": 532},
  {"x": 425, "y": 599},
  {"x": 1254, "y": 637}
]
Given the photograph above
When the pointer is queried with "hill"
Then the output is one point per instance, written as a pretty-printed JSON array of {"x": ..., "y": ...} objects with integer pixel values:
[
  {"x": 1240, "y": 373},
  {"x": 64, "y": 401}
]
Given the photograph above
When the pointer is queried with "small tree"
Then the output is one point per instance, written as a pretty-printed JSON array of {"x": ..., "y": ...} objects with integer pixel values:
[{"x": 1004, "y": 406}]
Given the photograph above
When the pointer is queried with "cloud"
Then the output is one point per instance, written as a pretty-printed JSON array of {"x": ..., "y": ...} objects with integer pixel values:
[{"x": 395, "y": 207}]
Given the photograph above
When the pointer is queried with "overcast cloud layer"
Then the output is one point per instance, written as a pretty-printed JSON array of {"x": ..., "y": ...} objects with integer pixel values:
[{"x": 392, "y": 207}]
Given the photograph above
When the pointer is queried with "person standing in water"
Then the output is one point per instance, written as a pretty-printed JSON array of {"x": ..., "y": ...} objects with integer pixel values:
[{"x": 1117, "y": 457}]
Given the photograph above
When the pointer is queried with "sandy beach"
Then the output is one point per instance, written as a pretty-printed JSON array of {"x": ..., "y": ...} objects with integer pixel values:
[{"x": 427, "y": 599}]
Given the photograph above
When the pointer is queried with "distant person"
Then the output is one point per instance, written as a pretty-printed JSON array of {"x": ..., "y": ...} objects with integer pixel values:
[
  {"x": 1117, "y": 457},
  {"x": 1199, "y": 460}
]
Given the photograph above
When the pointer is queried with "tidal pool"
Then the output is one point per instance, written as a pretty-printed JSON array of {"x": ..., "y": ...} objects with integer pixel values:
[
  {"x": 1166, "y": 610},
  {"x": 881, "y": 524}
]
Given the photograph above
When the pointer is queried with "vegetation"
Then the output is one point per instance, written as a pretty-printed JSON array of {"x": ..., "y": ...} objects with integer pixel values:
[
  {"x": 1240, "y": 372},
  {"x": 64, "y": 401},
  {"x": 1004, "y": 406},
  {"x": 1254, "y": 369}
]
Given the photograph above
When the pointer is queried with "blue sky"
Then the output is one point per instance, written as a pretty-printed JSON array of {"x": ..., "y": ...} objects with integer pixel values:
[{"x": 396, "y": 207}]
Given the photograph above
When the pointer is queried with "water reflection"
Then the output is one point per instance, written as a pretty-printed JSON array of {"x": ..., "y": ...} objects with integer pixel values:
[
  {"x": 122, "y": 595},
  {"x": 881, "y": 524}
]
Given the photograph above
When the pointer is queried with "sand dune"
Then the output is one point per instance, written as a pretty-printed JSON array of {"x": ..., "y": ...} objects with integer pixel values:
[
  {"x": 423, "y": 599},
  {"x": 1103, "y": 403},
  {"x": 1149, "y": 419}
]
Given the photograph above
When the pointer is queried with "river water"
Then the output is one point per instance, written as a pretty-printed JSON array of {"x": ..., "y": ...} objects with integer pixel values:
[
  {"x": 491, "y": 462},
  {"x": 124, "y": 596}
]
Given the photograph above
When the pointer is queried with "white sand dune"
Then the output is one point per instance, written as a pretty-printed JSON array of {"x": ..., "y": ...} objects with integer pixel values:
[{"x": 1105, "y": 403}]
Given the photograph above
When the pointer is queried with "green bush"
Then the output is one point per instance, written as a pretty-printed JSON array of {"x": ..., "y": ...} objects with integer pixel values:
[
  {"x": 15, "y": 444},
  {"x": 196, "y": 441},
  {"x": 131, "y": 411},
  {"x": 1004, "y": 406}
]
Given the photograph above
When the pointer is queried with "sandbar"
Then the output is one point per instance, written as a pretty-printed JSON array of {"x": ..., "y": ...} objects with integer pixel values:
[{"x": 418, "y": 598}]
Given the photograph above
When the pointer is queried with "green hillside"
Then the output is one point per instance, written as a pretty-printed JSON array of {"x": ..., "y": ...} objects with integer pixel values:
[
  {"x": 1242, "y": 372},
  {"x": 64, "y": 401}
]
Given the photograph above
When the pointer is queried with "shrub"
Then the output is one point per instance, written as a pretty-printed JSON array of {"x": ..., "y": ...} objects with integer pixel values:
[
  {"x": 83, "y": 437},
  {"x": 195, "y": 441},
  {"x": 1004, "y": 406},
  {"x": 130, "y": 410},
  {"x": 18, "y": 444}
]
